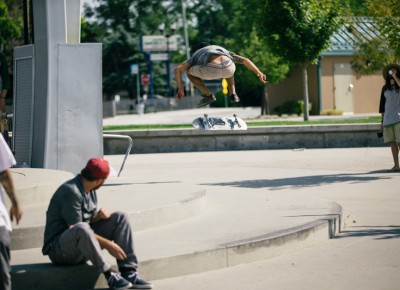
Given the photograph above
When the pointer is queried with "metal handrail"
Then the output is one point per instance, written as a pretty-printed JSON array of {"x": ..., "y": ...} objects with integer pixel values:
[{"x": 114, "y": 136}]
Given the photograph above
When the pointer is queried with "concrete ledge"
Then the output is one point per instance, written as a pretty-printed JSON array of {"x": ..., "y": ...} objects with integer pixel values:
[{"x": 255, "y": 138}]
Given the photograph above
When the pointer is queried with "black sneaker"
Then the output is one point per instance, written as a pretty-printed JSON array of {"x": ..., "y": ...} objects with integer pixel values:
[
  {"x": 235, "y": 98},
  {"x": 116, "y": 282},
  {"x": 137, "y": 282},
  {"x": 206, "y": 100},
  {"x": 141, "y": 284}
]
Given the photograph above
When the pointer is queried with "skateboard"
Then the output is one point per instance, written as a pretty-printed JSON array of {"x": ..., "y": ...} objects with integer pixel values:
[{"x": 218, "y": 123}]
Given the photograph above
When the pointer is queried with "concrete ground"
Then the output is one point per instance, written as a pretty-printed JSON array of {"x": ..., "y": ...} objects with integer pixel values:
[
  {"x": 366, "y": 253},
  {"x": 250, "y": 196}
]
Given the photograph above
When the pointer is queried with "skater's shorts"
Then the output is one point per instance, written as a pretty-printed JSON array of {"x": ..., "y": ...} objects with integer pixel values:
[
  {"x": 391, "y": 133},
  {"x": 212, "y": 71}
]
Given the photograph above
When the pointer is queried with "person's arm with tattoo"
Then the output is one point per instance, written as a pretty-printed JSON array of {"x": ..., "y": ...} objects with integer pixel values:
[
  {"x": 250, "y": 65},
  {"x": 8, "y": 185}
]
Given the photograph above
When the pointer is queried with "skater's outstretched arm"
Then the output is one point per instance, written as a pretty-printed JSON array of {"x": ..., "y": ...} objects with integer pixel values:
[
  {"x": 251, "y": 66},
  {"x": 184, "y": 66}
]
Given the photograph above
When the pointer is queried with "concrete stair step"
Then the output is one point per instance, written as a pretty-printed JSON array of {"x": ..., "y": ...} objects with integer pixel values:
[
  {"x": 146, "y": 204},
  {"x": 35, "y": 186},
  {"x": 229, "y": 232}
]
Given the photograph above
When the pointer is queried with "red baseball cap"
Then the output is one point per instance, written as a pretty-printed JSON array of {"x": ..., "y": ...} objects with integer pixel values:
[{"x": 98, "y": 168}]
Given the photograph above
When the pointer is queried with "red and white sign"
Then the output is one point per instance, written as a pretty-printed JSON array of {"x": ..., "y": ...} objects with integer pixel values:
[{"x": 145, "y": 79}]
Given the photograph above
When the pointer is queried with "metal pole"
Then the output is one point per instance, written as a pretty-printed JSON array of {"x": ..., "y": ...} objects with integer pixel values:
[
  {"x": 168, "y": 67},
  {"x": 188, "y": 86},
  {"x": 138, "y": 85}
]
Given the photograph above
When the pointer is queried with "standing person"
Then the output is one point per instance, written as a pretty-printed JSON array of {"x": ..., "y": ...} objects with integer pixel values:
[
  {"x": 4, "y": 82},
  {"x": 4, "y": 87},
  {"x": 6, "y": 161},
  {"x": 76, "y": 230},
  {"x": 389, "y": 107},
  {"x": 209, "y": 63}
]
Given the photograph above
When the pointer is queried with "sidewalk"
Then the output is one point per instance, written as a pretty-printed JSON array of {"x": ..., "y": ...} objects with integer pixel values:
[{"x": 187, "y": 116}]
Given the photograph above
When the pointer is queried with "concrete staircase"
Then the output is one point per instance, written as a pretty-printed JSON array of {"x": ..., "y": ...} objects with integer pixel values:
[{"x": 181, "y": 226}]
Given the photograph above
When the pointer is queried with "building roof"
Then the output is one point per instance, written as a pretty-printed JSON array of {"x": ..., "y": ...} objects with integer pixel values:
[{"x": 355, "y": 30}]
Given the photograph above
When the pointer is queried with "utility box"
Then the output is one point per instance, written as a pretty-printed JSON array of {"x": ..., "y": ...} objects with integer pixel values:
[{"x": 58, "y": 113}]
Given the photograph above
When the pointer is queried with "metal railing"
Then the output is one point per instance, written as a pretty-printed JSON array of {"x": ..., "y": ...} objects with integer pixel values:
[{"x": 113, "y": 136}]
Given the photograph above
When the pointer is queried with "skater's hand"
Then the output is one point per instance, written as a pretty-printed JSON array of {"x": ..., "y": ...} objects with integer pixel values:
[
  {"x": 180, "y": 93},
  {"x": 116, "y": 251},
  {"x": 262, "y": 77}
]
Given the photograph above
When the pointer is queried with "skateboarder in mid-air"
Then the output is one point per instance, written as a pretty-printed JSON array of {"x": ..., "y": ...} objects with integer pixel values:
[{"x": 209, "y": 63}]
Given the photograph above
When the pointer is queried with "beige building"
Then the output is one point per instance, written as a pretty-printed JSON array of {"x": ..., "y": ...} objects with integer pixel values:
[{"x": 332, "y": 84}]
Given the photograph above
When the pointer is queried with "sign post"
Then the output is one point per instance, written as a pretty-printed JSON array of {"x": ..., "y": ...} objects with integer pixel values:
[
  {"x": 161, "y": 43},
  {"x": 135, "y": 71},
  {"x": 225, "y": 91}
]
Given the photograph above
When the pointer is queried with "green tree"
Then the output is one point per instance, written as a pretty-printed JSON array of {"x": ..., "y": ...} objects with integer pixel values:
[
  {"x": 373, "y": 54},
  {"x": 358, "y": 8},
  {"x": 10, "y": 28},
  {"x": 118, "y": 25},
  {"x": 387, "y": 14},
  {"x": 231, "y": 23},
  {"x": 300, "y": 30}
]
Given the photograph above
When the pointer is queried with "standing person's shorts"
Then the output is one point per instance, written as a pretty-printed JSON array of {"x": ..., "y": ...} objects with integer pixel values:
[
  {"x": 391, "y": 133},
  {"x": 213, "y": 71}
]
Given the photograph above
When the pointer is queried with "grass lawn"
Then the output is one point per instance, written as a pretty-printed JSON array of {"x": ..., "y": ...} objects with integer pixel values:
[{"x": 252, "y": 123}]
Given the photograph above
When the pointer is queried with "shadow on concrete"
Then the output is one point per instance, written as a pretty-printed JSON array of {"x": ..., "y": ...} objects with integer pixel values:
[
  {"x": 302, "y": 181},
  {"x": 140, "y": 183},
  {"x": 380, "y": 232}
]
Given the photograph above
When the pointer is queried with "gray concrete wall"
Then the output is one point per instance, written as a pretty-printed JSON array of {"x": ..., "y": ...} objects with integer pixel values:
[{"x": 255, "y": 138}]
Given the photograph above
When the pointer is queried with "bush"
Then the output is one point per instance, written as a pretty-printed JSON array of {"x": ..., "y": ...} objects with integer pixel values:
[
  {"x": 291, "y": 107},
  {"x": 332, "y": 112}
]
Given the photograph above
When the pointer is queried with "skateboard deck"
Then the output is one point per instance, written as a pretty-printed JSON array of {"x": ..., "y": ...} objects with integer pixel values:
[{"x": 218, "y": 123}]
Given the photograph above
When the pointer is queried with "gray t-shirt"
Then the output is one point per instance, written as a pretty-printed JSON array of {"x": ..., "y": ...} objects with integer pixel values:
[
  {"x": 392, "y": 107},
  {"x": 202, "y": 55},
  {"x": 68, "y": 206}
]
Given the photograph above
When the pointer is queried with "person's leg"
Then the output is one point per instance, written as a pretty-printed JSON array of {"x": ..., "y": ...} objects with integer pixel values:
[
  {"x": 118, "y": 229},
  {"x": 395, "y": 153},
  {"x": 232, "y": 89},
  {"x": 78, "y": 245},
  {"x": 231, "y": 85},
  {"x": 198, "y": 83},
  {"x": 5, "y": 277}
]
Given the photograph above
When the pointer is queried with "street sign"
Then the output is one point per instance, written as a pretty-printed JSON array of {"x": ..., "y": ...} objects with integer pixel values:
[
  {"x": 145, "y": 79},
  {"x": 159, "y": 56},
  {"x": 134, "y": 69},
  {"x": 160, "y": 43}
]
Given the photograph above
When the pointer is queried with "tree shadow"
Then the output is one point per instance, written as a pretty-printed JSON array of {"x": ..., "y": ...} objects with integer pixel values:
[
  {"x": 303, "y": 181},
  {"x": 379, "y": 232}
]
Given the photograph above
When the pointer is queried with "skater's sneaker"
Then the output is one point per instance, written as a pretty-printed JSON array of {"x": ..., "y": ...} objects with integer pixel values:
[
  {"x": 206, "y": 100},
  {"x": 137, "y": 282},
  {"x": 235, "y": 98},
  {"x": 116, "y": 282}
]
